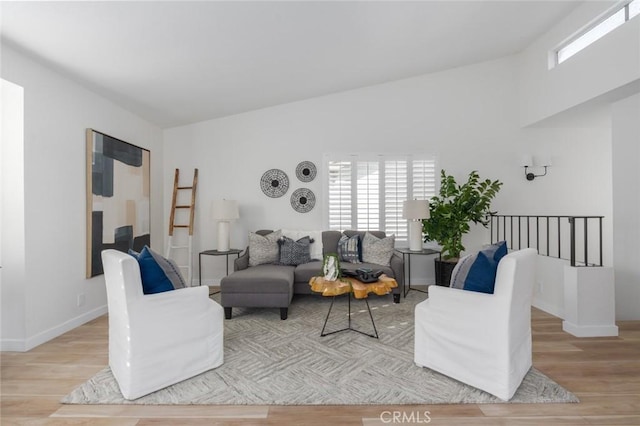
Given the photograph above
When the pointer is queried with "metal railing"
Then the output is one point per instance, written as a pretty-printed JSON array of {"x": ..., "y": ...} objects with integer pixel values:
[{"x": 577, "y": 239}]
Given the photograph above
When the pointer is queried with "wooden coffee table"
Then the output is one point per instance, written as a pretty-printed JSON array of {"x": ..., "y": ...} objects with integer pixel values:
[{"x": 349, "y": 286}]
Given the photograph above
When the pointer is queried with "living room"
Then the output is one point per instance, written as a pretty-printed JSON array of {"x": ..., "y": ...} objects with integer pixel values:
[{"x": 481, "y": 115}]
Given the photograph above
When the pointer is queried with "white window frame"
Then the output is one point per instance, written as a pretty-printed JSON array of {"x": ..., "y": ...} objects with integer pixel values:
[
  {"x": 399, "y": 225},
  {"x": 616, "y": 16}
]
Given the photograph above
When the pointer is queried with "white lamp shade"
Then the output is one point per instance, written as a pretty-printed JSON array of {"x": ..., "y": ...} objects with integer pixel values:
[
  {"x": 526, "y": 160},
  {"x": 415, "y": 209},
  {"x": 225, "y": 210},
  {"x": 543, "y": 161}
]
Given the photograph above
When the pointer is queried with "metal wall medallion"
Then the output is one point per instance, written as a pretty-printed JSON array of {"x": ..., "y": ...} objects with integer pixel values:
[
  {"x": 303, "y": 200},
  {"x": 306, "y": 171},
  {"x": 274, "y": 183}
]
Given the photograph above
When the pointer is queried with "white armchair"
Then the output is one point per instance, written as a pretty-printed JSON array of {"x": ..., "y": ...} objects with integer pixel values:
[
  {"x": 157, "y": 340},
  {"x": 480, "y": 339}
]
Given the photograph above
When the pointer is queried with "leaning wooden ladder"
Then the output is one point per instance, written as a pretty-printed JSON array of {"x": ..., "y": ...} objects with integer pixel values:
[{"x": 172, "y": 220}]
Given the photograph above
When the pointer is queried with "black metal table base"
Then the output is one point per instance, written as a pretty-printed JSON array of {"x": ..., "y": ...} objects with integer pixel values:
[{"x": 322, "y": 333}]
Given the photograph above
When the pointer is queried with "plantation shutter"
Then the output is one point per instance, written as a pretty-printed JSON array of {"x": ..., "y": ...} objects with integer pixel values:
[
  {"x": 396, "y": 191},
  {"x": 368, "y": 194},
  {"x": 340, "y": 195}
]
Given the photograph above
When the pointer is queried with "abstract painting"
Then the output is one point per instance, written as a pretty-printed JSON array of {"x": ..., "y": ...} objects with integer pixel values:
[{"x": 118, "y": 188}]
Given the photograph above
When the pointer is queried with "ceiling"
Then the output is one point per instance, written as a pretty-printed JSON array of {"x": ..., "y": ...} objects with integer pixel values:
[{"x": 175, "y": 63}]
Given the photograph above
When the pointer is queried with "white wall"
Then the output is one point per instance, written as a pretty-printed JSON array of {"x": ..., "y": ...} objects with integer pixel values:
[
  {"x": 608, "y": 67},
  {"x": 576, "y": 98},
  {"x": 12, "y": 227},
  {"x": 467, "y": 117},
  {"x": 626, "y": 206},
  {"x": 56, "y": 113}
]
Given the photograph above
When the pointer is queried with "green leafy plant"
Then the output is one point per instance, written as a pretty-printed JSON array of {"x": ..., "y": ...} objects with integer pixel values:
[{"x": 456, "y": 206}]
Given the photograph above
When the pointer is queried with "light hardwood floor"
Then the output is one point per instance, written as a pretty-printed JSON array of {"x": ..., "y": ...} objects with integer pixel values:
[{"x": 603, "y": 372}]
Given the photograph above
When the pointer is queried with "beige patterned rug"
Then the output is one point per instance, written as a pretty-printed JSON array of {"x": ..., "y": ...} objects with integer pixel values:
[{"x": 274, "y": 362}]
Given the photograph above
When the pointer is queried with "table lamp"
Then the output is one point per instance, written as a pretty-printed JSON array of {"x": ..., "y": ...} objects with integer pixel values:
[
  {"x": 414, "y": 211},
  {"x": 224, "y": 211}
]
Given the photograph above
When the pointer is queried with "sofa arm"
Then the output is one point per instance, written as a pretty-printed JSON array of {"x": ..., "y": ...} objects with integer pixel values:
[
  {"x": 397, "y": 265},
  {"x": 241, "y": 262}
]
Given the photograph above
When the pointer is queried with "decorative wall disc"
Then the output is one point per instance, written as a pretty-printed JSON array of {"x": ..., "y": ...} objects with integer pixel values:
[
  {"x": 306, "y": 171},
  {"x": 274, "y": 183},
  {"x": 303, "y": 200}
]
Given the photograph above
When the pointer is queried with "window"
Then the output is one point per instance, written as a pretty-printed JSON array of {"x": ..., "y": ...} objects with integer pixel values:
[
  {"x": 366, "y": 192},
  {"x": 610, "y": 21}
]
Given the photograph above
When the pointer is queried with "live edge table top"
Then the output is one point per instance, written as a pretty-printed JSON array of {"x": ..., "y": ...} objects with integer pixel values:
[{"x": 347, "y": 285}]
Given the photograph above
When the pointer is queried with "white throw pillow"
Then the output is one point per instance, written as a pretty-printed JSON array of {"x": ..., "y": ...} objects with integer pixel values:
[{"x": 315, "y": 249}]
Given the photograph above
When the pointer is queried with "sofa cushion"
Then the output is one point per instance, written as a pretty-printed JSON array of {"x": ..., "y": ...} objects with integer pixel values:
[
  {"x": 264, "y": 248},
  {"x": 350, "y": 249},
  {"x": 259, "y": 279},
  {"x": 377, "y": 234},
  {"x": 377, "y": 250},
  {"x": 304, "y": 272},
  {"x": 294, "y": 252},
  {"x": 330, "y": 242}
]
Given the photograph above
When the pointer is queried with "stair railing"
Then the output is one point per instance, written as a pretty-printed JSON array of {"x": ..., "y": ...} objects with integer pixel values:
[{"x": 577, "y": 239}]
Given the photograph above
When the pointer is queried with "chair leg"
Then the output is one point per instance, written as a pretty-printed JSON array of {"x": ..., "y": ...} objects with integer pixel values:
[
  {"x": 227, "y": 313},
  {"x": 283, "y": 313},
  {"x": 396, "y": 298}
]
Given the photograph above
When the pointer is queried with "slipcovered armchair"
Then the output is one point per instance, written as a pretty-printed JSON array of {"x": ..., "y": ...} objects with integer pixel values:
[
  {"x": 156, "y": 340},
  {"x": 480, "y": 339}
]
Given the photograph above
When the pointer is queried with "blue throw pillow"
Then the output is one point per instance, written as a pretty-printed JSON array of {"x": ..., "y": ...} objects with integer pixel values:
[
  {"x": 482, "y": 274},
  {"x": 154, "y": 280},
  {"x": 477, "y": 272}
]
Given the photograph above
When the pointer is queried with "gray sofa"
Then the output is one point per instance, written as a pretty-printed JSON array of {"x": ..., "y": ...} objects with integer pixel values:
[{"x": 273, "y": 286}]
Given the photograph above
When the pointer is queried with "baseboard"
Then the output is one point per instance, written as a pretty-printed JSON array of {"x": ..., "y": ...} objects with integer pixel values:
[
  {"x": 24, "y": 345},
  {"x": 12, "y": 345},
  {"x": 590, "y": 330},
  {"x": 548, "y": 307}
]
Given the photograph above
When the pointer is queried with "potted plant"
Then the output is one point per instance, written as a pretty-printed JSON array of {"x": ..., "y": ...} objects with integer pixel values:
[{"x": 451, "y": 213}]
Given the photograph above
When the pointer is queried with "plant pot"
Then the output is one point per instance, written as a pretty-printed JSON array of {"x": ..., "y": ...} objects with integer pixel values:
[{"x": 444, "y": 269}]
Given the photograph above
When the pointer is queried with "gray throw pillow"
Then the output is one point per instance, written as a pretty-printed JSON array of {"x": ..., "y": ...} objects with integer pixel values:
[
  {"x": 377, "y": 250},
  {"x": 461, "y": 270},
  {"x": 294, "y": 252},
  {"x": 264, "y": 249},
  {"x": 349, "y": 249}
]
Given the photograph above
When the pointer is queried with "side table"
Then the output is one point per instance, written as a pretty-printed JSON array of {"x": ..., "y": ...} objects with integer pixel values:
[
  {"x": 406, "y": 285},
  {"x": 359, "y": 290},
  {"x": 216, "y": 253}
]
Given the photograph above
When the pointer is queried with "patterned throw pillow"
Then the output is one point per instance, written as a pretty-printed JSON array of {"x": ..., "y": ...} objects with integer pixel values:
[
  {"x": 349, "y": 249},
  {"x": 377, "y": 250},
  {"x": 315, "y": 249},
  {"x": 264, "y": 249},
  {"x": 294, "y": 252}
]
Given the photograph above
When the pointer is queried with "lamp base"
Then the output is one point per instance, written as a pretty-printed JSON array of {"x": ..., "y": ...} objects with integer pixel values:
[
  {"x": 415, "y": 235},
  {"x": 223, "y": 236}
]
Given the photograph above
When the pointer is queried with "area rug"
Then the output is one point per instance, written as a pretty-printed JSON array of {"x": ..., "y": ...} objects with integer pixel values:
[{"x": 268, "y": 361}]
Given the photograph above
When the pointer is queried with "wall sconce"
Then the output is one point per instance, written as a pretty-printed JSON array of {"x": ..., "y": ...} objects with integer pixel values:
[{"x": 528, "y": 162}]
